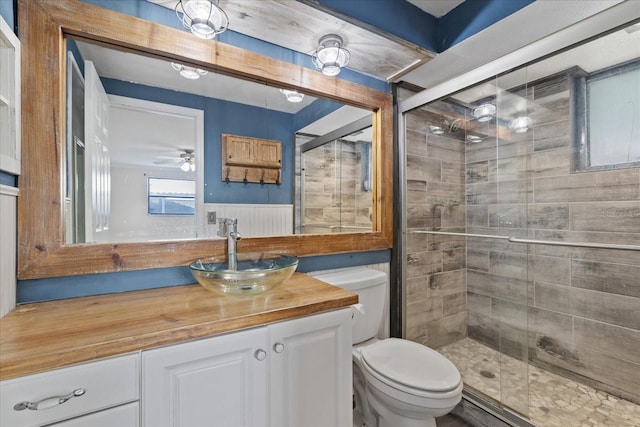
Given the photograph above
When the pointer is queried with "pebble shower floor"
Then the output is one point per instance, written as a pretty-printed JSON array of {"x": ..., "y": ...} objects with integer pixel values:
[{"x": 554, "y": 401}]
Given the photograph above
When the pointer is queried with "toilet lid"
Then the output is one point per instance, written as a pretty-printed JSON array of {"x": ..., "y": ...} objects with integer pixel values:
[{"x": 411, "y": 364}]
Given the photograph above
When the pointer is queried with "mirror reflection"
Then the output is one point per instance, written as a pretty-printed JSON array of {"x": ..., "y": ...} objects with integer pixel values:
[
  {"x": 336, "y": 180},
  {"x": 135, "y": 122}
]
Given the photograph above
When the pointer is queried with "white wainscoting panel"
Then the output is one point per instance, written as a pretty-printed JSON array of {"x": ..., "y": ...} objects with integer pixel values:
[
  {"x": 254, "y": 220},
  {"x": 8, "y": 248}
]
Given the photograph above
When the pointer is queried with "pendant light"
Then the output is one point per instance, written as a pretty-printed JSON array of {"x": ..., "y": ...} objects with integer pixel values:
[
  {"x": 520, "y": 124},
  {"x": 204, "y": 18},
  {"x": 484, "y": 112},
  {"x": 187, "y": 72},
  {"x": 292, "y": 95},
  {"x": 330, "y": 57}
]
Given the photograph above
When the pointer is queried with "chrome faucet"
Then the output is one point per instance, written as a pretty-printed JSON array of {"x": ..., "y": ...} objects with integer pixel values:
[{"x": 228, "y": 227}]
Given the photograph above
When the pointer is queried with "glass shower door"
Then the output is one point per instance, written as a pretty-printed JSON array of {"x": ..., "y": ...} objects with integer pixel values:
[
  {"x": 509, "y": 217},
  {"x": 466, "y": 191}
]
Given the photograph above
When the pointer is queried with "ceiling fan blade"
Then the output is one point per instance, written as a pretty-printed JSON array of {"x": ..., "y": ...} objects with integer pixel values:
[
  {"x": 186, "y": 156},
  {"x": 166, "y": 161}
]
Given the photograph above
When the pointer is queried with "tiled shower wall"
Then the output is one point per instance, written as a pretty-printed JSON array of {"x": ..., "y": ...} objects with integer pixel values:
[
  {"x": 436, "y": 312},
  {"x": 334, "y": 200},
  {"x": 582, "y": 305}
]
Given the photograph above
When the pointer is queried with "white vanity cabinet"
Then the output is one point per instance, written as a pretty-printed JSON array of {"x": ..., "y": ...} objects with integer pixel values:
[
  {"x": 292, "y": 373},
  {"x": 214, "y": 381},
  {"x": 94, "y": 394},
  {"x": 310, "y": 371}
]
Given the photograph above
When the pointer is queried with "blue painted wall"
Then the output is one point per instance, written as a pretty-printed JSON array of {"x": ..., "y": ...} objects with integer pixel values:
[
  {"x": 473, "y": 16},
  {"x": 313, "y": 112},
  {"x": 400, "y": 18},
  {"x": 8, "y": 179},
  {"x": 6, "y": 10},
  {"x": 435, "y": 34}
]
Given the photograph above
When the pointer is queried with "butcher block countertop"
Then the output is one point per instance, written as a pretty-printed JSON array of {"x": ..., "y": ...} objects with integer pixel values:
[{"x": 42, "y": 336}]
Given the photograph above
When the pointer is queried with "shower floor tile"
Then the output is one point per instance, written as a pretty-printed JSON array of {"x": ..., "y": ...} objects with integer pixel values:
[{"x": 553, "y": 400}]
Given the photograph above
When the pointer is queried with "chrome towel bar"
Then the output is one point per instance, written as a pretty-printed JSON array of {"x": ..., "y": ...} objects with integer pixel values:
[{"x": 535, "y": 242}]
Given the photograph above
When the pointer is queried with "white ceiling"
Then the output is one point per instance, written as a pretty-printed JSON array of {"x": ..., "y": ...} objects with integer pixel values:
[
  {"x": 616, "y": 48},
  {"x": 436, "y": 8},
  {"x": 149, "y": 71}
]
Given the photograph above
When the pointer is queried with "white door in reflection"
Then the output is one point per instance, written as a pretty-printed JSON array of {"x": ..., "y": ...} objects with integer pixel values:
[
  {"x": 150, "y": 140},
  {"x": 97, "y": 172}
]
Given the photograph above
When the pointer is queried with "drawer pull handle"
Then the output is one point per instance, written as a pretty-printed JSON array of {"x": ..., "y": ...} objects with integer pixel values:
[{"x": 49, "y": 402}]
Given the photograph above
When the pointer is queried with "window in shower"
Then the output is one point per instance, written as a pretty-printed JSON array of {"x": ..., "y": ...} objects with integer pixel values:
[{"x": 607, "y": 105}]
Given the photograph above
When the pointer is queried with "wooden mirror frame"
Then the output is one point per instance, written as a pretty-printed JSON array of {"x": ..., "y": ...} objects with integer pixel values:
[{"x": 42, "y": 252}]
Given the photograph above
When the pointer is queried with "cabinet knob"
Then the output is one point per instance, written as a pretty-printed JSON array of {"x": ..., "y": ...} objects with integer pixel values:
[
  {"x": 278, "y": 347},
  {"x": 260, "y": 354},
  {"x": 49, "y": 402}
]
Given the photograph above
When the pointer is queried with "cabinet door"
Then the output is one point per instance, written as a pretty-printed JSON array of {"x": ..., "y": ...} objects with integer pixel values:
[
  {"x": 218, "y": 381},
  {"x": 310, "y": 383},
  {"x": 238, "y": 150},
  {"x": 268, "y": 153}
]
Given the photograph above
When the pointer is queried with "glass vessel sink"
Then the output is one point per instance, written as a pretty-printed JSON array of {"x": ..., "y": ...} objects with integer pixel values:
[{"x": 255, "y": 273}]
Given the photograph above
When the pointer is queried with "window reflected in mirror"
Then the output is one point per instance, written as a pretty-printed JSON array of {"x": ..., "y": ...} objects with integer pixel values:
[{"x": 171, "y": 197}]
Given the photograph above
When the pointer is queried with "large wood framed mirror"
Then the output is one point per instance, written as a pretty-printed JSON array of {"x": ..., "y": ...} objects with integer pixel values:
[{"x": 44, "y": 251}]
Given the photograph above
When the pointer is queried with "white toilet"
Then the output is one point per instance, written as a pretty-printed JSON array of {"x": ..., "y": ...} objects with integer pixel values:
[{"x": 397, "y": 383}]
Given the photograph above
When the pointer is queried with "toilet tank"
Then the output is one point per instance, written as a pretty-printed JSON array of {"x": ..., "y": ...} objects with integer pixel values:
[{"x": 370, "y": 285}]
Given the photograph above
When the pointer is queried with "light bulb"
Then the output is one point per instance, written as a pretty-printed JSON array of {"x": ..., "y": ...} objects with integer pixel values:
[
  {"x": 484, "y": 112},
  {"x": 520, "y": 124},
  {"x": 292, "y": 95}
]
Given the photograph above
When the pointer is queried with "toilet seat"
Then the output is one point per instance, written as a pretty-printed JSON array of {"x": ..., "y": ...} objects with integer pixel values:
[{"x": 410, "y": 367}]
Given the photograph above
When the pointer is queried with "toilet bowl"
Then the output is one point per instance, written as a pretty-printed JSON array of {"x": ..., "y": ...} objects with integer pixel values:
[
  {"x": 406, "y": 384},
  {"x": 397, "y": 383}
]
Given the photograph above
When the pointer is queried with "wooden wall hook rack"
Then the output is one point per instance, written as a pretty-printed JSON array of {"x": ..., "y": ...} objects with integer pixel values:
[{"x": 251, "y": 160}]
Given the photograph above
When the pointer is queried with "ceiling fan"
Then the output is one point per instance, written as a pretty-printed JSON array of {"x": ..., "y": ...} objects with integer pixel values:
[{"x": 186, "y": 161}]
